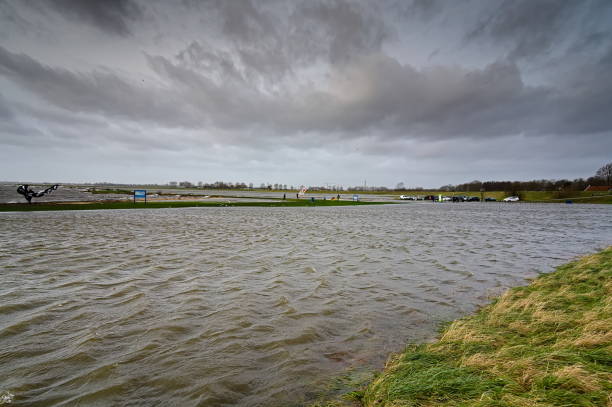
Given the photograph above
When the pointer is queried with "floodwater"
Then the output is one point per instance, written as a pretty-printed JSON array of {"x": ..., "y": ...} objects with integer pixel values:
[{"x": 252, "y": 306}]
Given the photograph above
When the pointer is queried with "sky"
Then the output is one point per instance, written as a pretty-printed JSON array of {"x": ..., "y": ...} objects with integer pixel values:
[{"x": 311, "y": 92}]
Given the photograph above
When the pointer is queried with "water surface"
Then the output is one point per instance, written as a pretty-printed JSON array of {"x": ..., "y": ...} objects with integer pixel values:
[{"x": 252, "y": 306}]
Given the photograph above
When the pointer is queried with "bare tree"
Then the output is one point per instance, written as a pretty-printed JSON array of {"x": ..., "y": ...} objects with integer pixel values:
[{"x": 605, "y": 172}]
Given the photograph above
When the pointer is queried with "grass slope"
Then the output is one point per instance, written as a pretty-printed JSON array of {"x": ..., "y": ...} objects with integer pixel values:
[
  {"x": 170, "y": 204},
  {"x": 546, "y": 344}
]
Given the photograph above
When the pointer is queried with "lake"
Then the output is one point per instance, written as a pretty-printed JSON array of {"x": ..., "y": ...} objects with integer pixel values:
[{"x": 253, "y": 306}]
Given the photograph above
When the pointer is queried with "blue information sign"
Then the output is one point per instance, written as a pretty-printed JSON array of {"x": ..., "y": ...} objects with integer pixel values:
[{"x": 140, "y": 193}]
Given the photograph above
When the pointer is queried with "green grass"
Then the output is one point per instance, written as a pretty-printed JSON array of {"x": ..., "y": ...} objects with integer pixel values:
[
  {"x": 170, "y": 204},
  {"x": 546, "y": 344}
]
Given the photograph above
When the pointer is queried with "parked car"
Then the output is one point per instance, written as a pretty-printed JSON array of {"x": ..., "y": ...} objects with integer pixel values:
[
  {"x": 489, "y": 199},
  {"x": 512, "y": 199},
  {"x": 408, "y": 197},
  {"x": 473, "y": 199}
]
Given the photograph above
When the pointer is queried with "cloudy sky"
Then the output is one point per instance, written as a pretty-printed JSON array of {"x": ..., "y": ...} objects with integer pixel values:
[{"x": 304, "y": 92}]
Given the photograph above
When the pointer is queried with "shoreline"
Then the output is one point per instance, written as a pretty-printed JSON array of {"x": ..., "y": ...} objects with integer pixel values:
[
  {"x": 84, "y": 205},
  {"x": 547, "y": 343}
]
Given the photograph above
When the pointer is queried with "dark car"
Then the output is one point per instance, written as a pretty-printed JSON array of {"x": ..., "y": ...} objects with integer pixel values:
[
  {"x": 489, "y": 199},
  {"x": 473, "y": 199}
]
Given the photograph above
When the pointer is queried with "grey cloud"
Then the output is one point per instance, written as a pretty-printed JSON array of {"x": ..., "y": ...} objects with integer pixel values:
[
  {"x": 247, "y": 80},
  {"x": 112, "y": 16},
  {"x": 96, "y": 92},
  {"x": 340, "y": 29},
  {"x": 15, "y": 133},
  {"x": 422, "y": 9},
  {"x": 272, "y": 40},
  {"x": 202, "y": 57},
  {"x": 225, "y": 104},
  {"x": 585, "y": 101},
  {"x": 243, "y": 21},
  {"x": 373, "y": 94},
  {"x": 376, "y": 93},
  {"x": 255, "y": 39},
  {"x": 530, "y": 28},
  {"x": 5, "y": 111}
]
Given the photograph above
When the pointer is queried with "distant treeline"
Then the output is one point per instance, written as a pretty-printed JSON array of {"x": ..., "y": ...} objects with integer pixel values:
[
  {"x": 578, "y": 184},
  {"x": 603, "y": 176}
]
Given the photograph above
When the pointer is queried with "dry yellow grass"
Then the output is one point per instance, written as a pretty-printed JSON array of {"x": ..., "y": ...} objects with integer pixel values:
[{"x": 546, "y": 344}]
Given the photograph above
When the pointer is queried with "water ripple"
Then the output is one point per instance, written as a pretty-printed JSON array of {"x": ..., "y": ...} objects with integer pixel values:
[{"x": 251, "y": 306}]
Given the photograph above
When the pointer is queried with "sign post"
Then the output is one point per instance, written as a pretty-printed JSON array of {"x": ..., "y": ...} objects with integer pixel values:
[{"x": 140, "y": 193}]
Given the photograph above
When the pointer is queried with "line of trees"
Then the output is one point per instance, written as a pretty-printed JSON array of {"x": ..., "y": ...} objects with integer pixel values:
[
  {"x": 228, "y": 185},
  {"x": 601, "y": 177},
  {"x": 577, "y": 184}
]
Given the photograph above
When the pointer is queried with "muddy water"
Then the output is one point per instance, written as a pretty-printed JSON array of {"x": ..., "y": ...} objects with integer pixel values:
[{"x": 251, "y": 306}]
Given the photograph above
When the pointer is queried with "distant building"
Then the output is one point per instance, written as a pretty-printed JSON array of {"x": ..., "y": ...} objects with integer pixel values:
[{"x": 598, "y": 188}]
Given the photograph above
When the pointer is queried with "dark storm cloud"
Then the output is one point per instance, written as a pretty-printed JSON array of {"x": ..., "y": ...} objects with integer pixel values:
[
  {"x": 15, "y": 134},
  {"x": 373, "y": 93},
  {"x": 531, "y": 27},
  {"x": 5, "y": 110},
  {"x": 377, "y": 93},
  {"x": 584, "y": 103},
  {"x": 340, "y": 29},
  {"x": 242, "y": 83},
  {"x": 421, "y": 9},
  {"x": 112, "y": 16},
  {"x": 95, "y": 92},
  {"x": 269, "y": 40}
]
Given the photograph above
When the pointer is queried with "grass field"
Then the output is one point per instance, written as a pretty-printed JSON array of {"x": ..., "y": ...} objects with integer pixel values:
[
  {"x": 545, "y": 344},
  {"x": 24, "y": 207}
]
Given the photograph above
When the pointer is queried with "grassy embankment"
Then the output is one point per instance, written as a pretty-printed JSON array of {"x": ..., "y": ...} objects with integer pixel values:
[
  {"x": 545, "y": 344},
  {"x": 24, "y": 207}
]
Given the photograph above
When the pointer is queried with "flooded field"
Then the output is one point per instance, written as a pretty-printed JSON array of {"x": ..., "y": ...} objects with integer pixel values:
[{"x": 252, "y": 306}]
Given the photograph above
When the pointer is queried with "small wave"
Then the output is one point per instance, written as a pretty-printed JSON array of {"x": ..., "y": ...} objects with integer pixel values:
[{"x": 6, "y": 397}]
